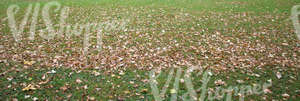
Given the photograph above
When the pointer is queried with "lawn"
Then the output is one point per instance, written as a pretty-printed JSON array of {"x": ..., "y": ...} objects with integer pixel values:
[{"x": 150, "y": 50}]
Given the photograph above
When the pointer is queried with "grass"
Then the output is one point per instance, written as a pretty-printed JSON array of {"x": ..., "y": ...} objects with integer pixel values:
[
  {"x": 133, "y": 85},
  {"x": 247, "y": 40}
]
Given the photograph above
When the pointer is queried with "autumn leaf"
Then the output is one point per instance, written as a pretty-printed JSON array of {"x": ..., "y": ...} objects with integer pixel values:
[
  {"x": 29, "y": 87},
  {"x": 278, "y": 75},
  {"x": 96, "y": 73},
  {"x": 286, "y": 95},
  {"x": 29, "y": 62},
  {"x": 78, "y": 81},
  {"x": 172, "y": 91},
  {"x": 126, "y": 92},
  {"x": 44, "y": 82},
  {"x": 64, "y": 88}
]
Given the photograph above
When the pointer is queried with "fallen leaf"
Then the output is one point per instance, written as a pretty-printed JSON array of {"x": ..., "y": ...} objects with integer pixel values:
[
  {"x": 181, "y": 80},
  {"x": 240, "y": 81},
  {"x": 14, "y": 99},
  {"x": 64, "y": 88},
  {"x": 286, "y": 95},
  {"x": 78, "y": 81},
  {"x": 219, "y": 82},
  {"x": 121, "y": 73},
  {"x": 29, "y": 62},
  {"x": 44, "y": 82},
  {"x": 29, "y": 87},
  {"x": 278, "y": 74},
  {"x": 52, "y": 72},
  {"x": 126, "y": 92},
  {"x": 144, "y": 90},
  {"x": 70, "y": 95},
  {"x": 267, "y": 91},
  {"x": 92, "y": 98},
  {"x": 35, "y": 99},
  {"x": 26, "y": 96},
  {"x": 96, "y": 73},
  {"x": 85, "y": 87},
  {"x": 172, "y": 91}
]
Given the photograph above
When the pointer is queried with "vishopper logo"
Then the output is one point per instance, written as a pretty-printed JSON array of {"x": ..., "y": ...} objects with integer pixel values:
[
  {"x": 51, "y": 29},
  {"x": 219, "y": 93},
  {"x": 295, "y": 19}
]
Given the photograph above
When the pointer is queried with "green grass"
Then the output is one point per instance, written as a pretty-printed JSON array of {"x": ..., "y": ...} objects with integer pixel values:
[
  {"x": 236, "y": 39},
  {"x": 113, "y": 85},
  {"x": 194, "y": 5}
]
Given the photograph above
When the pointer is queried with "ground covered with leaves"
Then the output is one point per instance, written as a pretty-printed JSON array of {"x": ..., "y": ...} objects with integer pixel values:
[{"x": 242, "y": 42}]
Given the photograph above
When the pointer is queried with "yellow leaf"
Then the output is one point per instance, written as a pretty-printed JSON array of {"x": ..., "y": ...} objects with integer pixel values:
[
  {"x": 29, "y": 87},
  {"x": 172, "y": 91},
  {"x": 29, "y": 62},
  {"x": 145, "y": 90},
  {"x": 113, "y": 75},
  {"x": 126, "y": 92}
]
